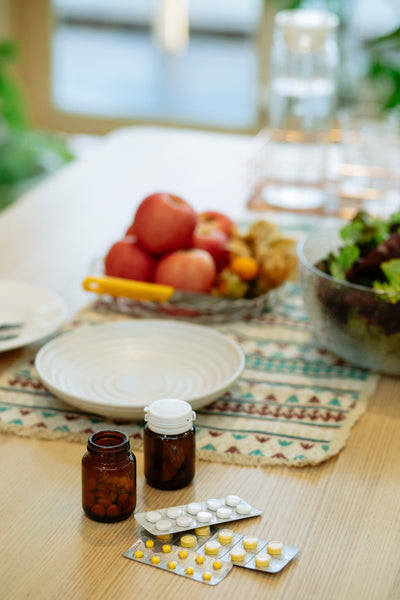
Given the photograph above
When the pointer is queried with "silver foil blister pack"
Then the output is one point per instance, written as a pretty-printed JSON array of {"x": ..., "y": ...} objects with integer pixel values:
[
  {"x": 180, "y": 560},
  {"x": 250, "y": 551},
  {"x": 213, "y": 511},
  {"x": 207, "y": 554}
]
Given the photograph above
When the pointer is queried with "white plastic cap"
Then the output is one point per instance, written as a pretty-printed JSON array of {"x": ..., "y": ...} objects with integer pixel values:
[{"x": 169, "y": 416}]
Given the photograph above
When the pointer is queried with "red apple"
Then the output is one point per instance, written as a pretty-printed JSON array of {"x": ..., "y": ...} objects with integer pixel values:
[
  {"x": 129, "y": 260},
  {"x": 214, "y": 241},
  {"x": 164, "y": 222},
  {"x": 219, "y": 220},
  {"x": 130, "y": 231},
  {"x": 190, "y": 270}
]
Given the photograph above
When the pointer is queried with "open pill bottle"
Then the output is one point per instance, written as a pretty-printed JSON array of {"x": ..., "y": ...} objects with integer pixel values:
[
  {"x": 169, "y": 444},
  {"x": 108, "y": 477}
]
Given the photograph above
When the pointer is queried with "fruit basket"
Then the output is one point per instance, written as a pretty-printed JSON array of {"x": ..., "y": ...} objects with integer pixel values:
[
  {"x": 199, "y": 308},
  {"x": 173, "y": 262}
]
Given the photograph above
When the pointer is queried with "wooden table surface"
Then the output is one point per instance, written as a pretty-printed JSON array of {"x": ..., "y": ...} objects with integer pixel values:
[{"x": 344, "y": 514}]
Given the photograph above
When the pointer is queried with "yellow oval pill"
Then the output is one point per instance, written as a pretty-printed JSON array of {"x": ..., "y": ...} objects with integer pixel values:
[
  {"x": 212, "y": 547},
  {"x": 262, "y": 560},
  {"x": 225, "y": 536},
  {"x": 139, "y": 554},
  {"x": 155, "y": 560},
  {"x": 250, "y": 542},
  {"x": 166, "y": 548},
  {"x": 200, "y": 559},
  {"x": 202, "y": 530},
  {"x": 188, "y": 541},
  {"x": 183, "y": 554},
  {"x": 237, "y": 555},
  {"x": 165, "y": 537},
  {"x": 189, "y": 571},
  {"x": 206, "y": 576},
  {"x": 149, "y": 543},
  {"x": 275, "y": 548},
  {"x": 217, "y": 564},
  {"x": 172, "y": 564}
]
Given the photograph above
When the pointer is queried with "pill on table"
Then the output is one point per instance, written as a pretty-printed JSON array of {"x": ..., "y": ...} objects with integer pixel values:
[
  {"x": 224, "y": 513},
  {"x": 155, "y": 560},
  {"x": 149, "y": 544},
  {"x": 206, "y": 576},
  {"x": 212, "y": 547},
  {"x": 205, "y": 530},
  {"x": 217, "y": 564},
  {"x": 262, "y": 560},
  {"x": 166, "y": 548},
  {"x": 163, "y": 525},
  {"x": 250, "y": 542},
  {"x": 183, "y": 554},
  {"x": 213, "y": 504},
  {"x": 139, "y": 554},
  {"x": 200, "y": 559},
  {"x": 243, "y": 508},
  {"x": 225, "y": 536},
  {"x": 188, "y": 541},
  {"x": 173, "y": 512},
  {"x": 193, "y": 508},
  {"x": 172, "y": 565},
  {"x": 232, "y": 500},
  {"x": 275, "y": 548},
  {"x": 164, "y": 537},
  {"x": 153, "y": 516},
  {"x": 189, "y": 571},
  {"x": 203, "y": 516},
  {"x": 237, "y": 555},
  {"x": 184, "y": 521}
]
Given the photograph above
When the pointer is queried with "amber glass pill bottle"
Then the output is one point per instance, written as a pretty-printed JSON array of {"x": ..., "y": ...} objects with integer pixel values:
[
  {"x": 108, "y": 477},
  {"x": 169, "y": 444}
]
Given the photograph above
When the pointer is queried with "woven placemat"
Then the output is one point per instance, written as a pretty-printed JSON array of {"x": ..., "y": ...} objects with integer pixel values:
[{"x": 294, "y": 404}]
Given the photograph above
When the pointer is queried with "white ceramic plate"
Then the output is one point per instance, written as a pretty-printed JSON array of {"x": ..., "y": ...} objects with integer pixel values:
[
  {"x": 41, "y": 312},
  {"x": 117, "y": 369}
]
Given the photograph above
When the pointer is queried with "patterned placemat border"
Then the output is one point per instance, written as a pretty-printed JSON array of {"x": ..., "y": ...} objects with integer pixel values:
[{"x": 294, "y": 404}]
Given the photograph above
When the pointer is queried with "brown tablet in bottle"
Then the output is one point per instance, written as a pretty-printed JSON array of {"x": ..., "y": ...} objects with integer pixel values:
[
  {"x": 169, "y": 444},
  {"x": 108, "y": 477}
]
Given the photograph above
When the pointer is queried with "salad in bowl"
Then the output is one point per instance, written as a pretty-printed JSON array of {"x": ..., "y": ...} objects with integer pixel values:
[{"x": 350, "y": 282}]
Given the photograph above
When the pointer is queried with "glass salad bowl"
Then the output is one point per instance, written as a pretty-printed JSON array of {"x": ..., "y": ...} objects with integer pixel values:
[{"x": 359, "y": 324}]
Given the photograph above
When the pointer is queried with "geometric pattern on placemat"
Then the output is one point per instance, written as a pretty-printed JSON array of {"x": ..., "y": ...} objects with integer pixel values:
[{"x": 294, "y": 404}]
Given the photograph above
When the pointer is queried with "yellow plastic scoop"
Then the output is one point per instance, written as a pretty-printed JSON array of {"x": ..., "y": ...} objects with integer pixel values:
[{"x": 128, "y": 288}]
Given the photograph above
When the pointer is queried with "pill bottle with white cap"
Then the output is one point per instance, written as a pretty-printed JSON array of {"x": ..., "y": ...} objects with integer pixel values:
[{"x": 169, "y": 444}]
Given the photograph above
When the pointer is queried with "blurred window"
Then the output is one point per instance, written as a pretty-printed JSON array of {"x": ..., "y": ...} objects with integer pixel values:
[{"x": 192, "y": 62}]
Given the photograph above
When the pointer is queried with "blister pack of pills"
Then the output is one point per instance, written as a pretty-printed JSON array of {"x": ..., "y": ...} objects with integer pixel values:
[
  {"x": 179, "y": 559},
  {"x": 248, "y": 551},
  {"x": 208, "y": 554},
  {"x": 213, "y": 511}
]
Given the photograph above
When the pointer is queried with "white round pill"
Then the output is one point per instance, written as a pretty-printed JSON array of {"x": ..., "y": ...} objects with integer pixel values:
[
  {"x": 163, "y": 525},
  {"x": 232, "y": 500},
  {"x": 203, "y": 516},
  {"x": 153, "y": 516},
  {"x": 184, "y": 521},
  {"x": 213, "y": 504},
  {"x": 243, "y": 508},
  {"x": 224, "y": 512},
  {"x": 193, "y": 508},
  {"x": 174, "y": 512}
]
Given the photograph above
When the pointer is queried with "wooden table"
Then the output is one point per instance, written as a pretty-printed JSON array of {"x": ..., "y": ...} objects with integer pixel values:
[{"x": 344, "y": 515}]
